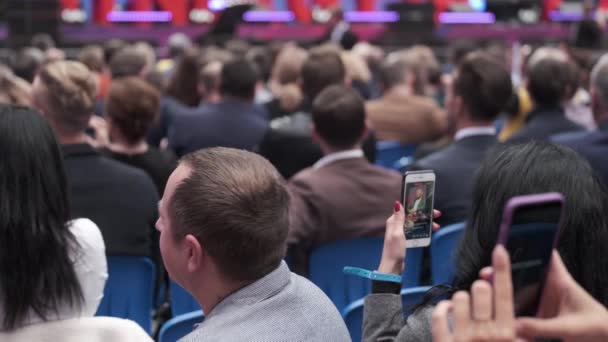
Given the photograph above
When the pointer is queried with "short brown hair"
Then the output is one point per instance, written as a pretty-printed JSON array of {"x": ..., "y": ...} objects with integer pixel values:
[
  {"x": 320, "y": 70},
  {"x": 128, "y": 61},
  {"x": 92, "y": 57},
  {"x": 484, "y": 83},
  {"x": 69, "y": 94},
  {"x": 133, "y": 105},
  {"x": 236, "y": 204},
  {"x": 339, "y": 116}
]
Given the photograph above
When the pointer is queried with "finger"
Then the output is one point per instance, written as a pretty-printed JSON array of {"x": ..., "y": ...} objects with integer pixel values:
[
  {"x": 486, "y": 273},
  {"x": 461, "y": 304},
  {"x": 531, "y": 328},
  {"x": 436, "y": 213},
  {"x": 436, "y": 227},
  {"x": 441, "y": 328},
  {"x": 481, "y": 292},
  {"x": 503, "y": 286},
  {"x": 398, "y": 218}
]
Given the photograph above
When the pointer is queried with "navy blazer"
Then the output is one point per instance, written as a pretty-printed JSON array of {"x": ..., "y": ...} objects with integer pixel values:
[
  {"x": 455, "y": 167},
  {"x": 592, "y": 145},
  {"x": 542, "y": 123},
  {"x": 230, "y": 123}
]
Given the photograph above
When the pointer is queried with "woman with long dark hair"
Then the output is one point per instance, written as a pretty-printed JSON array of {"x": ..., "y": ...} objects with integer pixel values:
[
  {"x": 50, "y": 268},
  {"x": 507, "y": 172}
]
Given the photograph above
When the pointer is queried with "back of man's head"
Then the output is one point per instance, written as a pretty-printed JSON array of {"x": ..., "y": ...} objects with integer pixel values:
[
  {"x": 484, "y": 84},
  {"x": 549, "y": 77},
  {"x": 65, "y": 91},
  {"x": 393, "y": 73},
  {"x": 320, "y": 70},
  {"x": 238, "y": 79},
  {"x": 338, "y": 114},
  {"x": 178, "y": 43},
  {"x": 236, "y": 205},
  {"x": 127, "y": 62}
]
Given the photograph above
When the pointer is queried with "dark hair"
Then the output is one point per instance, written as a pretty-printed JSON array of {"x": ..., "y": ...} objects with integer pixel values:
[
  {"x": 261, "y": 57},
  {"x": 392, "y": 74},
  {"x": 111, "y": 47},
  {"x": 133, "y": 105},
  {"x": 484, "y": 85},
  {"x": 236, "y": 204},
  {"x": 548, "y": 81},
  {"x": 536, "y": 168},
  {"x": 127, "y": 62},
  {"x": 43, "y": 41},
  {"x": 183, "y": 85},
  {"x": 37, "y": 272},
  {"x": 460, "y": 49},
  {"x": 339, "y": 116},
  {"x": 239, "y": 78},
  {"x": 321, "y": 70},
  {"x": 27, "y": 63}
]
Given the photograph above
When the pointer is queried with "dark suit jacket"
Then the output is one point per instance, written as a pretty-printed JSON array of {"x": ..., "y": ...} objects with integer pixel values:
[
  {"x": 289, "y": 147},
  {"x": 542, "y": 123},
  {"x": 593, "y": 146},
  {"x": 120, "y": 199},
  {"x": 346, "y": 199},
  {"x": 230, "y": 123},
  {"x": 455, "y": 168}
]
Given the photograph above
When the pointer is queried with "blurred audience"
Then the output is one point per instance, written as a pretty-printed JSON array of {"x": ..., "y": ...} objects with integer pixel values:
[
  {"x": 284, "y": 79},
  {"x": 120, "y": 199},
  {"x": 547, "y": 168},
  {"x": 53, "y": 268},
  {"x": 14, "y": 90},
  {"x": 479, "y": 91},
  {"x": 223, "y": 223},
  {"x": 342, "y": 196},
  {"x": 594, "y": 145},
  {"x": 549, "y": 84},
  {"x": 128, "y": 61},
  {"x": 183, "y": 84},
  {"x": 401, "y": 114},
  {"x": 27, "y": 62},
  {"x": 132, "y": 106},
  {"x": 233, "y": 122}
]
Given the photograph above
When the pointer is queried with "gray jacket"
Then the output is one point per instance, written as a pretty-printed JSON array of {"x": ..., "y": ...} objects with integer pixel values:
[
  {"x": 383, "y": 320},
  {"x": 281, "y": 306}
]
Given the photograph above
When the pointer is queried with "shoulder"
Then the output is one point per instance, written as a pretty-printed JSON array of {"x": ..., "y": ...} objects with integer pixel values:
[
  {"x": 295, "y": 124},
  {"x": 87, "y": 234},
  {"x": 418, "y": 326},
  {"x": 113, "y": 329}
]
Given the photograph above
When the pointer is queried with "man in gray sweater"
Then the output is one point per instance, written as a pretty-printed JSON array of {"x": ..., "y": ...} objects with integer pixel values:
[{"x": 223, "y": 225}]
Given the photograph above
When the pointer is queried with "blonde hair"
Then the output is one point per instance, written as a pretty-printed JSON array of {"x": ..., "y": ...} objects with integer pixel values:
[
  {"x": 14, "y": 90},
  {"x": 356, "y": 68},
  {"x": 68, "y": 93},
  {"x": 288, "y": 65}
]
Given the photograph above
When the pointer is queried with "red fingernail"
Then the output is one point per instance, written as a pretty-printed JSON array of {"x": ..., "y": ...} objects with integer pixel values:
[{"x": 397, "y": 206}]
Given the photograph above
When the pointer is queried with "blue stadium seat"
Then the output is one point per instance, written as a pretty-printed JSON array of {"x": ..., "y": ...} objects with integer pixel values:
[
  {"x": 129, "y": 291},
  {"x": 327, "y": 262},
  {"x": 394, "y": 155},
  {"x": 181, "y": 301},
  {"x": 353, "y": 313},
  {"x": 443, "y": 246},
  {"x": 180, "y": 326}
]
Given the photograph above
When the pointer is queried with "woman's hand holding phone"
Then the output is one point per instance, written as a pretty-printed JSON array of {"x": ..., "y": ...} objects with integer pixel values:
[{"x": 393, "y": 253}]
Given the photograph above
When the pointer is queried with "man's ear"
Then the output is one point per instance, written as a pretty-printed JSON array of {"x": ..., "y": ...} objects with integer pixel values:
[{"x": 195, "y": 253}]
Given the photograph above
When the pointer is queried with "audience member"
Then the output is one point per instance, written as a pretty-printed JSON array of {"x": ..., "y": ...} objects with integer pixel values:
[
  {"x": 594, "y": 145},
  {"x": 400, "y": 114},
  {"x": 92, "y": 57},
  {"x": 128, "y": 62},
  {"x": 548, "y": 84},
  {"x": 209, "y": 82},
  {"x": 567, "y": 311},
  {"x": 480, "y": 90},
  {"x": 261, "y": 57},
  {"x": 547, "y": 168},
  {"x": 284, "y": 80},
  {"x": 233, "y": 122},
  {"x": 223, "y": 224},
  {"x": 288, "y": 144},
  {"x": 119, "y": 198},
  {"x": 27, "y": 62},
  {"x": 342, "y": 196},
  {"x": 52, "y": 268},
  {"x": 183, "y": 85},
  {"x": 132, "y": 106},
  {"x": 357, "y": 73},
  {"x": 14, "y": 90}
]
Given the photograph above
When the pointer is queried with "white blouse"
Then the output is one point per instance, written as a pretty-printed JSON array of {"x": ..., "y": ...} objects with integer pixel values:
[{"x": 90, "y": 268}]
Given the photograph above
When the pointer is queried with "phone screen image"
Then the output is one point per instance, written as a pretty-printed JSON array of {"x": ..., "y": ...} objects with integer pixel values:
[
  {"x": 530, "y": 243},
  {"x": 418, "y": 205}
]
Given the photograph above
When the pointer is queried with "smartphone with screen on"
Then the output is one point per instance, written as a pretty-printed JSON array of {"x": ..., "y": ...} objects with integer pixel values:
[
  {"x": 417, "y": 193},
  {"x": 529, "y": 231}
]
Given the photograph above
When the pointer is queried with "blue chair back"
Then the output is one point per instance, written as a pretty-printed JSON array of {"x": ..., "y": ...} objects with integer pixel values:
[
  {"x": 129, "y": 291},
  {"x": 180, "y": 326},
  {"x": 327, "y": 262},
  {"x": 443, "y": 247},
  {"x": 181, "y": 301},
  {"x": 394, "y": 155},
  {"x": 353, "y": 313}
]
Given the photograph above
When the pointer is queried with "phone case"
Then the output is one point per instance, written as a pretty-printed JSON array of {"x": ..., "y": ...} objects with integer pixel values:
[{"x": 521, "y": 201}]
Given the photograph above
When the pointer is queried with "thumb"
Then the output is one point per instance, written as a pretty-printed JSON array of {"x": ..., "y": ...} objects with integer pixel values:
[{"x": 531, "y": 328}]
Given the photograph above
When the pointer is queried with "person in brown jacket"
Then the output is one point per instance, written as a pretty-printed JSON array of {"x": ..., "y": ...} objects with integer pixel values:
[
  {"x": 401, "y": 114},
  {"x": 343, "y": 196}
]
